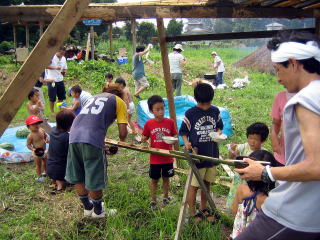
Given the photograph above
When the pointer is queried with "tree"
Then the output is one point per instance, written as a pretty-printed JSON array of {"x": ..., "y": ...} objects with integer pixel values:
[
  {"x": 223, "y": 25},
  {"x": 146, "y": 31},
  {"x": 174, "y": 28},
  {"x": 127, "y": 30}
]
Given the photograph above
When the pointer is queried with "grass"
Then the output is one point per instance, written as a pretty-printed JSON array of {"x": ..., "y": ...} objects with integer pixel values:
[{"x": 28, "y": 211}]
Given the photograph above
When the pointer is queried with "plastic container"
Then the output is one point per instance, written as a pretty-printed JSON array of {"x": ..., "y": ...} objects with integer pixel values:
[{"x": 122, "y": 60}]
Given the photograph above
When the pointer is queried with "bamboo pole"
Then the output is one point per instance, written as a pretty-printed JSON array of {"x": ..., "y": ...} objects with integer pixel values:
[
  {"x": 27, "y": 36},
  {"x": 15, "y": 36},
  {"x": 166, "y": 72},
  {"x": 134, "y": 36},
  {"x": 92, "y": 41}
]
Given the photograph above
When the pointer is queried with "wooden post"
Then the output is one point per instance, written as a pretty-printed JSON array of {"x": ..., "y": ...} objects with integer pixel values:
[
  {"x": 134, "y": 36},
  {"x": 41, "y": 28},
  {"x": 87, "y": 48},
  {"x": 166, "y": 71},
  {"x": 27, "y": 37},
  {"x": 39, "y": 59},
  {"x": 14, "y": 36},
  {"x": 317, "y": 32},
  {"x": 110, "y": 39},
  {"x": 183, "y": 207},
  {"x": 92, "y": 41}
]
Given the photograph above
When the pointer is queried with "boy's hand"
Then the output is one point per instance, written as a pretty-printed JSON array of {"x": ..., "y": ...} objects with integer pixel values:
[{"x": 188, "y": 145}]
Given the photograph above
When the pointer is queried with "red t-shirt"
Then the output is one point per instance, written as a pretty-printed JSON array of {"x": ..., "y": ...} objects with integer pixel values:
[{"x": 155, "y": 131}]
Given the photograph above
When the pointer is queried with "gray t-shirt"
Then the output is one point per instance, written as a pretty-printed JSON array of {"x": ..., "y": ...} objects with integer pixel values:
[
  {"x": 174, "y": 62},
  {"x": 84, "y": 97},
  {"x": 91, "y": 125},
  {"x": 138, "y": 67},
  {"x": 296, "y": 205}
]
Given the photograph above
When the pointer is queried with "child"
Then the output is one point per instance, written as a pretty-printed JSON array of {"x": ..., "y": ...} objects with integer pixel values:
[
  {"x": 36, "y": 142},
  {"x": 198, "y": 123},
  {"x": 130, "y": 104},
  {"x": 257, "y": 134},
  {"x": 250, "y": 196},
  {"x": 58, "y": 148},
  {"x": 160, "y": 166},
  {"x": 109, "y": 79},
  {"x": 80, "y": 98},
  {"x": 35, "y": 107}
]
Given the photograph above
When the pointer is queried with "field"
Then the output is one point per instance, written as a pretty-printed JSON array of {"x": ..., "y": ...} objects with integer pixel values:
[{"x": 29, "y": 211}]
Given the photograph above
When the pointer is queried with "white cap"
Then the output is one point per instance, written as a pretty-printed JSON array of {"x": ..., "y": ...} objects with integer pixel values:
[
  {"x": 214, "y": 53},
  {"x": 178, "y": 46}
]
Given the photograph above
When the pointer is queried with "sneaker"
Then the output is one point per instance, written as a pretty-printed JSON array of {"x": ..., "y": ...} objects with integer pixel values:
[
  {"x": 101, "y": 215},
  {"x": 40, "y": 179},
  {"x": 87, "y": 213},
  {"x": 43, "y": 175}
]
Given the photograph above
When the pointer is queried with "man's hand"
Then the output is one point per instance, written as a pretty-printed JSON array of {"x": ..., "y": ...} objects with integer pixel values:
[
  {"x": 252, "y": 172},
  {"x": 188, "y": 145}
]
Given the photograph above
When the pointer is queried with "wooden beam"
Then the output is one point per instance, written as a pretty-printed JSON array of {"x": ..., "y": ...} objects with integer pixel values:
[
  {"x": 134, "y": 36},
  {"x": 27, "y": 36},
  {"x": 14, "y": 36},
  {"x": 117, "y": 12},
  {"x": 110, "y": 39},
  {"x": 225, "y": 36},
  {"x": 166, "y": 71},
  {"x": 39, "y": 59}
]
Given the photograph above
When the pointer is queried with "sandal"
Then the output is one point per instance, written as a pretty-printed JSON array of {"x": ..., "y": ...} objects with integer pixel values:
[
  {"x": 207, "y": 213},
  {"x": 167, "y": 200}
]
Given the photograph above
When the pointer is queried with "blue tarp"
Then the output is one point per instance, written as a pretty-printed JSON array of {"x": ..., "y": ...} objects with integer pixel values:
[{"x": 182, "y": 104}]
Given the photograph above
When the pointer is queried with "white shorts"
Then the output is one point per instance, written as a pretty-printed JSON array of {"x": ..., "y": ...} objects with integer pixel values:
[{"x": 131, "y": 108}]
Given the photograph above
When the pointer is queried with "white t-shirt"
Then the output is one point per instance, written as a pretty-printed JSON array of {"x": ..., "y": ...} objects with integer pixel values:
[
  {"x": 56, "y": 74},
  {"x": 174, "y": 61},
  {"x": 221, "y": 65}
]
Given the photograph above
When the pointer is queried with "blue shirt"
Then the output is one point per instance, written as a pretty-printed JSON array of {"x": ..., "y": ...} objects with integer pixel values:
[
  {"x": 196, "y": 125},
  {"x": 138, "y": 67}
]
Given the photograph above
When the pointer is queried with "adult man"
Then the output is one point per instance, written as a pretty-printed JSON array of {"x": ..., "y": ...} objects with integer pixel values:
[
  {"x": 292, "y": 210},
  {"x": 86, "y": 166},
  {"x": 176, "y": 61},
  {"x": 141, "y": 82},
  {"x": 218, "y": 64},
  {"x": 54, "y": 73}
]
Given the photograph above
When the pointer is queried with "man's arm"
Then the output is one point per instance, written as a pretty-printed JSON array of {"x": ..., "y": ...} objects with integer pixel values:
[
  {"x": 123, "y": 132},
  {"x": 309, "y": 168},
  {"x": 146, "y": 50}
]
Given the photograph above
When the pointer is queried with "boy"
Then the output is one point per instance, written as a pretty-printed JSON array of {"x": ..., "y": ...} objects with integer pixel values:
[
  {"x": 257, "y": 134},
  {"x": 198, "y": 122},
  {"x": 130, "y": 104},
  {"x": 160, "y": 166},
  {"x": 35, "y": 107},
  {"x": 36, "y": 142},
  {"x": 80, "y": 98},
  {"x": 109, "y": 79}
]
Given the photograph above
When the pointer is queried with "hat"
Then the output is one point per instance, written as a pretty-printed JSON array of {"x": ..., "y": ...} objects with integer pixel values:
[
  {"x": 214, "y": 53},
  {"x": 32, "y": 119},
  {"x": 178, "y": 46}
]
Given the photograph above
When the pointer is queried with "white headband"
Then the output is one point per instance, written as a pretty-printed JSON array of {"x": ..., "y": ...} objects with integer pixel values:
[{"x": 296, "y": 50}]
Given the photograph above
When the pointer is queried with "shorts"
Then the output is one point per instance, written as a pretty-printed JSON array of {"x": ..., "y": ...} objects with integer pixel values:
[
  {"x": 45, "y": 155},
  {"x": 141, "y": 82},
  {"x": 86, "y": 164},
  {"x": 264, "y": 227},
  {"x": 207, "y": 174},
  {"x": 57, "y": 91},
  {"x": 158, "y": 170},
  {"x": 131, "y": 108}
]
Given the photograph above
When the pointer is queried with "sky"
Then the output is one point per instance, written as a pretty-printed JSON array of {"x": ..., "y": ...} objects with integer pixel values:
[{"x": 153, "y": 20}]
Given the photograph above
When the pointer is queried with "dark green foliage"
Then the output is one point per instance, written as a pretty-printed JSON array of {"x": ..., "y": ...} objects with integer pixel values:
[
  {"x": 5, "y": 46},
  {"x": 174, "y": 28},
  {"x": 146, "y": 31}
]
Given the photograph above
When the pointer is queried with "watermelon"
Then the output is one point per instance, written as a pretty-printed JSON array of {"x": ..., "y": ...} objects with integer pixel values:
[
  {"x": 7, "y": 146},
  {"x": 22, "y": 132}
]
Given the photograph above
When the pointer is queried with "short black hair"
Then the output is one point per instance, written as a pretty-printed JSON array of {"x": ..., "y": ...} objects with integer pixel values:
[
  {"x": 153, "y": 100},
  {"x": 120, "y": 80},
  {"x": 258, "y": 128},
  {"x": 203, "y": 93},
  {"x": 262, "y": 155},
  {"x": 65, "y": 119},
  {"x": 140, "y": 48},
  {"x": 32, "y": 92},
  {"x": 311, "y": 65},
  {"x": 109, "y": 75},
  {"x": 76, "y": 89},
  {"x": 177, "y": 50}
]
